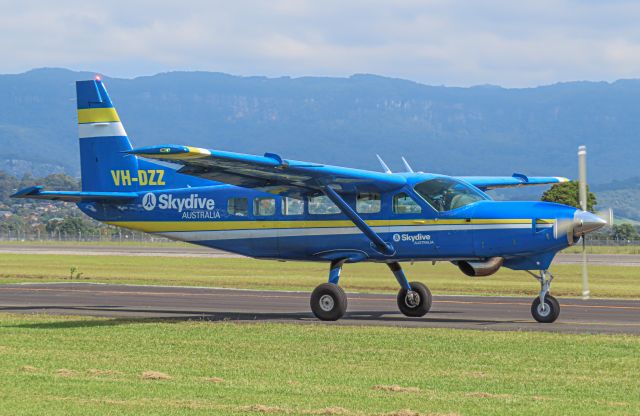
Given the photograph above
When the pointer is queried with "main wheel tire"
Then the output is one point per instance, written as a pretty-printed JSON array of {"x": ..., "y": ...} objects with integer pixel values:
[
  {"x": 328, "y": 302},
  {"x": 549, "y": 314},
  {"x": 418, "y": 304}
]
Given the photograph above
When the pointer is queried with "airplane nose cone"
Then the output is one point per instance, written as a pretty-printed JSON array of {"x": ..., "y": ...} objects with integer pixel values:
[{"x": 586, "y": 222}]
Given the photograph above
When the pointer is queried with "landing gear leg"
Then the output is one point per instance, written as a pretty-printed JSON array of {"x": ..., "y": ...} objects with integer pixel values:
[
  {"x": 414, "y": 298},
  {"x": 545, "y": 308},
  {"x": 328, "y": 301}
]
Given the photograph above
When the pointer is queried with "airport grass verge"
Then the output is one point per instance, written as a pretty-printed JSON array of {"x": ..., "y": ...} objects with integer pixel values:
[
  {"x": 79, "y": 365},
  {"x": 442, "y": 278},
  {"x": 592, "y": 249}
]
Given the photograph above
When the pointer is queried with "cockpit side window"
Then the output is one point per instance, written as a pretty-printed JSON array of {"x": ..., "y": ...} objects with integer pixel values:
[
  {"x": 404, "y": 204},
  {"x": 446, "y": 194}
]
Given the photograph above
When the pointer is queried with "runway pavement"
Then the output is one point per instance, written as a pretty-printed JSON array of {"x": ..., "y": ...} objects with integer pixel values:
[
  {"x": 153, "y": 302},
  {"x": 632, "y": 260}
]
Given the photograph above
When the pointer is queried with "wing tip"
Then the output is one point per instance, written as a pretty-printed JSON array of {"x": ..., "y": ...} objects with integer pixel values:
[{"x": 170, "y": 152}]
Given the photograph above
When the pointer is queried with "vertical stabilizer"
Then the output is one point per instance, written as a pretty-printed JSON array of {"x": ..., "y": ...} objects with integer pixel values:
[{"x": 103, "y": 140}]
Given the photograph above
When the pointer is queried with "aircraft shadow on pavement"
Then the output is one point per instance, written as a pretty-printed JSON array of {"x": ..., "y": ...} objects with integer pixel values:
[{"x": 119, "y": 316}]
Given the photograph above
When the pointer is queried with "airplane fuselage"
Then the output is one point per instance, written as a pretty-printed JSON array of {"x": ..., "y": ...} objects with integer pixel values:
[{"x": 264, "y": 225}]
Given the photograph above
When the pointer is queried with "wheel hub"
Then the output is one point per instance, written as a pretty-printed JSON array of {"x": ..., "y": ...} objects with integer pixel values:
[
  {"x": 412, "y": 299},
  {"x": 327, "y": 303},
  {"x": 544, "y": 309}
]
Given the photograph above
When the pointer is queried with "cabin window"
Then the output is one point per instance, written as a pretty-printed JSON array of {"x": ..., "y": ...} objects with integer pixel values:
[
  {"x": 322, "y": 205},
  {"x": 264, "y": 206},
  {"x": 292, "y": 206},
  {"x": 238, "y": 206},
  {"x": 368, "y": 202},
  {"x": 404, "y": 204},
  {"x": 446, "y": 194}
]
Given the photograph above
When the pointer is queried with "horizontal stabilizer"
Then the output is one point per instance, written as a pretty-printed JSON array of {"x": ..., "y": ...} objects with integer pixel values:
[{"x": 36, "y": 192}]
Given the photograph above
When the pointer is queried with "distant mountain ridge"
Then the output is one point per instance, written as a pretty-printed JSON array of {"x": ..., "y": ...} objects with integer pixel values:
[{"x": 484, "y": 130}]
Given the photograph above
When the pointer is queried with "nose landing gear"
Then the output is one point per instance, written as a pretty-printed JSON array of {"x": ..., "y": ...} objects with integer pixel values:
[{"x": 545, "y": 308}]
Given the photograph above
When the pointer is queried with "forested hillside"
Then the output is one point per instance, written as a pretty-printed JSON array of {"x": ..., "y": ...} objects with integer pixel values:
[{"x": 345, "y": 121}]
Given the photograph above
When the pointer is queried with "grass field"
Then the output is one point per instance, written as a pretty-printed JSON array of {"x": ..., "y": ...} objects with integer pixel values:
[
  {"x": 124, "y": 244},
  {"x": 604, "y": 249},
  {"x": 80, "y": 366},
  {"x": 443, "y": 278},
  {"x": 630, "y": 249}
]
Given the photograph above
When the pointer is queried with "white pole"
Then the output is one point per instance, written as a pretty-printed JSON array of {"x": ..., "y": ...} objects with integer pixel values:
[{"x": 582, "y": 170}]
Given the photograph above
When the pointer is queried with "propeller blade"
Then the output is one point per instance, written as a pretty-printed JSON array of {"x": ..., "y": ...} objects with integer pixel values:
[
  {"x": 607, "y": 215},
  {"x": 582, "y": 180}
]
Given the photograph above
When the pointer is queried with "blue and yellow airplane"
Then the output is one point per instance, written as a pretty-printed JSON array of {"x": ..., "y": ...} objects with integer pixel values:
[{"x": 275, "y": 208}]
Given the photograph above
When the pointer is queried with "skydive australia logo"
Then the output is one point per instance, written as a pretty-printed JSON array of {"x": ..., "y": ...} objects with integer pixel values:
[
  {"x": 149, "y": 201},
  {"x": 191, "y": 207},
  {"x": 413, "y": 238}
]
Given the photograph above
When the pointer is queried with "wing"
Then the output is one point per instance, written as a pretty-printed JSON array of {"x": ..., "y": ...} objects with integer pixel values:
[
  {"x": 270, "y": 172},
  {"x": 36, "y": 192},
  {"x": 492, "y": 182}
]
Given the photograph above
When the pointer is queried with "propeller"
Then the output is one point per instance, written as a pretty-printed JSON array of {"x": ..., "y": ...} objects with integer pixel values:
[
  {"x": 588, "y": 221},
  {"x": 583, "y": 222}
]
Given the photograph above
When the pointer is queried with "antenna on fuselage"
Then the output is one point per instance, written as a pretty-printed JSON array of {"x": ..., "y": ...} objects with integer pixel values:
[
  {"x": 407, "y": 165},
  {"x": 384, "y": 165}
]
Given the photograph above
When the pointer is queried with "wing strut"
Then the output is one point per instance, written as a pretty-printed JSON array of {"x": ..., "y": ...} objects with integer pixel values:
[{"x": 378, "y": 242}]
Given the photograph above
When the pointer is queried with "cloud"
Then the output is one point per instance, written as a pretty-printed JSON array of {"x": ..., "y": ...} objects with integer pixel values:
[{"x": 522, "y": 43}]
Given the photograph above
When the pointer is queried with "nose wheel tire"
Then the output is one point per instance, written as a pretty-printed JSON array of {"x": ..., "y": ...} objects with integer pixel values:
[
  {"x": 414, "y": 303},
  {"x": 328, "y": 302},
  {"x": 546, "y": 313}
]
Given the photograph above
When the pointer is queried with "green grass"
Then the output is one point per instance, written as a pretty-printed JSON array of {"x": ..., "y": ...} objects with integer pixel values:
[
  {"x": 123, "y": 244},
  {"x": 80, "y": 366},
  {"x": 443, "y": 278},
  {"x": 631, "y": 249},
  {"x": 604, "y": 249}
]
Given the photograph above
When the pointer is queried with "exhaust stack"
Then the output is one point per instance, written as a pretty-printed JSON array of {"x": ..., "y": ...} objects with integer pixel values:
[{"x": 481, "y": 268}]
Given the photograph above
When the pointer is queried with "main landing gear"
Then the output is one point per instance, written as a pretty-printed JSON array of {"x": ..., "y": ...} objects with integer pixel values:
[
  {"x": 545, "y": 308},
  {"x": 329, "y": 302}
]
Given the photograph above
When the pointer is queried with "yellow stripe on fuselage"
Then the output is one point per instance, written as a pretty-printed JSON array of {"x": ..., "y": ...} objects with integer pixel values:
[
  {"x": 97, "y": 115},
  {"x": 169, "y": 226}
]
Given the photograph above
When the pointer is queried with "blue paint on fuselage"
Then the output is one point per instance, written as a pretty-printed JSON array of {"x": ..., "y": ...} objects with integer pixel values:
[{"x": 523, "y": 246}]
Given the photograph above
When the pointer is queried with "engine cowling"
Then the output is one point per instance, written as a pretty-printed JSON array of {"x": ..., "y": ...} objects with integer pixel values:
[{"x": 481, "y": 268}]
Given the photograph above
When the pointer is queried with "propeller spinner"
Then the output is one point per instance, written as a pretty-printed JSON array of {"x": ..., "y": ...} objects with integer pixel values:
[{"x": 583, "y": 222}]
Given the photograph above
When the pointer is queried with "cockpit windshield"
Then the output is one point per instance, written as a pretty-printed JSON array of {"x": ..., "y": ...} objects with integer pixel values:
[{"x": 446, "y": 194}]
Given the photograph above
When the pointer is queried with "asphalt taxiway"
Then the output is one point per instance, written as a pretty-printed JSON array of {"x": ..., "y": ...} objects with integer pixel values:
[{"x": 182, "y": 303}]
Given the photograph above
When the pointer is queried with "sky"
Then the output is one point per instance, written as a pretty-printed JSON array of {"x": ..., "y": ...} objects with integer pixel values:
[{"x": 519, "y": 43}]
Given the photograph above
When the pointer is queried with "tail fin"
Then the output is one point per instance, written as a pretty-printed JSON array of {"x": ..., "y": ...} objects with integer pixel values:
[{"x": 103, "y": 141}]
